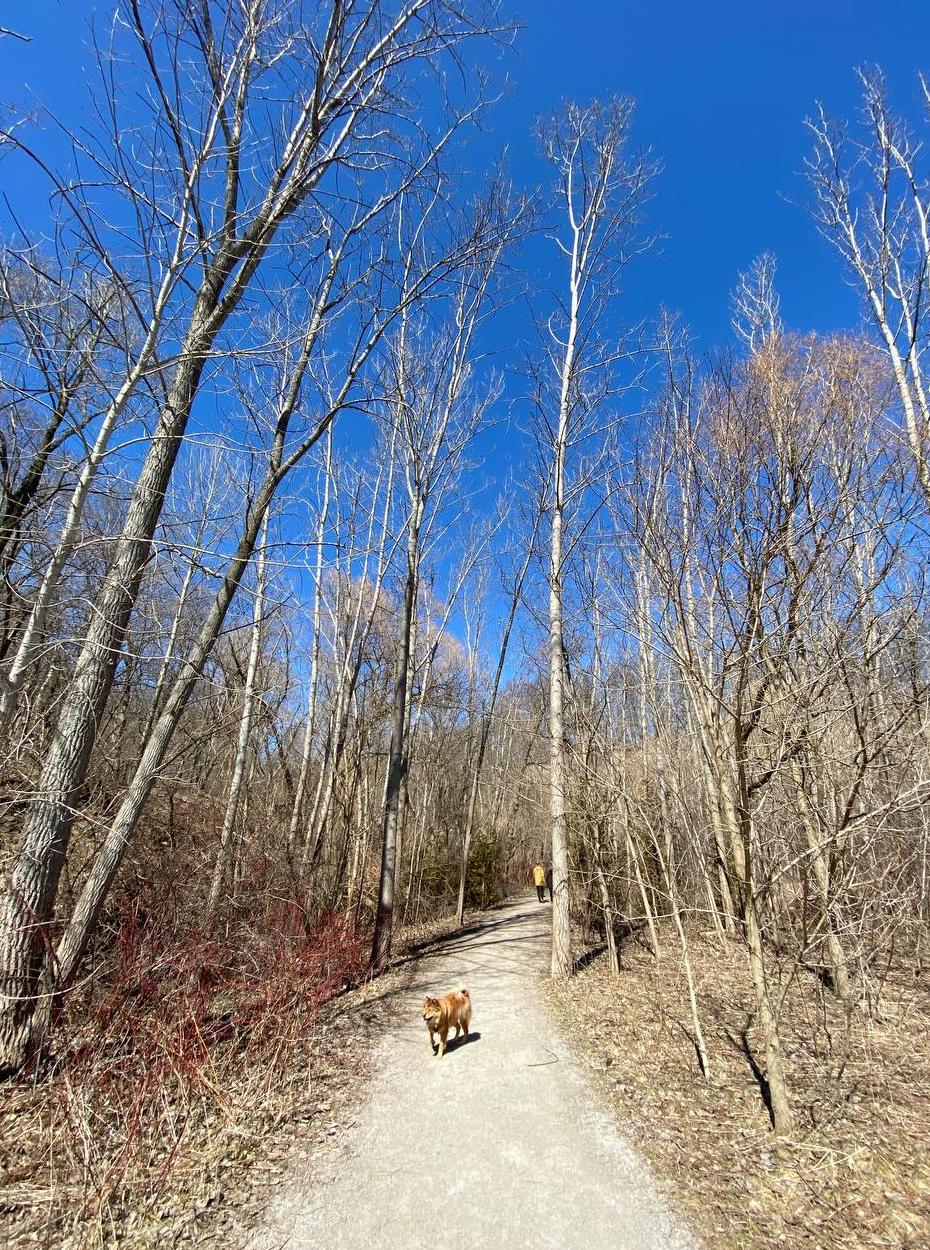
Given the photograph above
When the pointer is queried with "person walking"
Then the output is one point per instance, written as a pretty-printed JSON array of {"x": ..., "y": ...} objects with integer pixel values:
[{"x": 539, "y": 877}]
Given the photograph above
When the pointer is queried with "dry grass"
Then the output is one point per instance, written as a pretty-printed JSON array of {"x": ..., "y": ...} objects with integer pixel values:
[
  {"x": 856, "y": 1171},
  {"x": 171, "y": 1097}
]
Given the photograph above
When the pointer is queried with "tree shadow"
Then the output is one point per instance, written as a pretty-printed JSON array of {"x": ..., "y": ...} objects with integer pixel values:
[
  {"x": 384, "y": 996},
  {"x": 626, "y": 932},
  {"x": 822, "y": 973},
  {"x": 589, "y": 956},
  {"x": 742, "y": 1045},
  {"x": 692, "y": 1040},
  {"x": 447, "y": 941}
]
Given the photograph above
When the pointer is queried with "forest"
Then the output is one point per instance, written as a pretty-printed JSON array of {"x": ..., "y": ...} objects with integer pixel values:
[{"x": 290, "y": 666}]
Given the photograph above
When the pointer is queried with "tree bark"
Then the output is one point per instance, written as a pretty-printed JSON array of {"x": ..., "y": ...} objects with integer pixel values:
[
  {"x": 562, "y": 964},
  {"x": 397, "y": 758},
  {"x": 300, "y": 791},
  {"x": 323, "y": 119},
  {"x": 487, "y": 721},
  {"x": 225, "y": 852}
]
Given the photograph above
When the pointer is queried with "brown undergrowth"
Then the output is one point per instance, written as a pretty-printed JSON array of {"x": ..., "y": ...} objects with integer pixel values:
[
  {"x": 855, "y": 1172},
  {"x": 170, "y": 1096}
]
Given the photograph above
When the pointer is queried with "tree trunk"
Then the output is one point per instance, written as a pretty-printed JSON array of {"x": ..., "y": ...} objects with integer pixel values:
[
  {"x": 108, "y": 859},
  {"x": 486, "y": 723},
  {"x": 839, "y": 965},
  {"x": 225, "y": 852},
  {"x": 33, "y": 884},
  {"x": 562, "y": 963},
  {"x": 739, "y": 820},
  {"x": 775, "y": 1072},
  {"x": 613, "y": 955},
  {"x": 397, "y": 761},
  {"x": 297, "y": 808}
]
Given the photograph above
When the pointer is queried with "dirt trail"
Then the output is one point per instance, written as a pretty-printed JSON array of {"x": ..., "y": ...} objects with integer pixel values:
[{"x": 498, "y": 1144}]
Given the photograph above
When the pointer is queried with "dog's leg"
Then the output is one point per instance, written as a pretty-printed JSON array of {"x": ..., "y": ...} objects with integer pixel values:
[
  {"x": 432, "y": 1040},
  {"x": 442, "y": 1042}
]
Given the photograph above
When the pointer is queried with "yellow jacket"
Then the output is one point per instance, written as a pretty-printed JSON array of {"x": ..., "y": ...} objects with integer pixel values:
[{"x": 539, "y": 875}]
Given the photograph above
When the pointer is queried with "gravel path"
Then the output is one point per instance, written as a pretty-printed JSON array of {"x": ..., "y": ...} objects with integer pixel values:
[{"x": 498, "y": 1144}]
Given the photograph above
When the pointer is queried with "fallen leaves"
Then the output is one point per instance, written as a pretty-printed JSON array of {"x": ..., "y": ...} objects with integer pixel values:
[{"x": 855, "y": 1175}]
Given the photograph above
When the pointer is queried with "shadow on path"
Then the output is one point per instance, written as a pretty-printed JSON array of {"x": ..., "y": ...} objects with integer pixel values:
[{"x": 498, "y": 1145}]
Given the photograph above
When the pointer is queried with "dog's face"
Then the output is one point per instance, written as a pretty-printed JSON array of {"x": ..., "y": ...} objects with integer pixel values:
[{"x": 432, "y": 1011}]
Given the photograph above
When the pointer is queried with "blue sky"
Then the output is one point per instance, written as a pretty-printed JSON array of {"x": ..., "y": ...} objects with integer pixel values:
[{"x": 722, "y": 88}]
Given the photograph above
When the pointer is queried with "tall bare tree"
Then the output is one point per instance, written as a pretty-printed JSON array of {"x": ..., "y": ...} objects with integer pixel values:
[
  {"x": 437, "y": 413},
  {"x": 235, "y": 178},
  {"x": 872, "y": 203},
  {"x": 600, "y": 188}
]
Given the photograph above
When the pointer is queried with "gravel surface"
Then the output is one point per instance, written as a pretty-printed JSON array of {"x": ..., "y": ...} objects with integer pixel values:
[{"x": 498, "y": 1144}]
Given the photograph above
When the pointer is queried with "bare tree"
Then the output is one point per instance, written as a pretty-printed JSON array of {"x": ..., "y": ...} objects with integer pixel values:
[
  {"x": 871, "y": 202},
  {"x": 313, "y": 680},
  {"x": 437, "y": 416},
  {"x": 756, "y": 316},
  {"x": 332, "y": 80},
  {"x": 487, "y": 717},
  {"x": 600, "y": 192},
  {"x": 224, "y": 855},
  {"x": 765, "y": 480}
]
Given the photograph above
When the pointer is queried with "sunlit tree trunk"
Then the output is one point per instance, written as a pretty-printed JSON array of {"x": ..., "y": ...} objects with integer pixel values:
[
  {"x": 397, "y": 757},
  {"x": 313, "y": 679},
  {"x": 225, "y": 852}
]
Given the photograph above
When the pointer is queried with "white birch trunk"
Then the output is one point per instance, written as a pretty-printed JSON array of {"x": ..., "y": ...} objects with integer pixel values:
[{"x": 561, "y": 963}]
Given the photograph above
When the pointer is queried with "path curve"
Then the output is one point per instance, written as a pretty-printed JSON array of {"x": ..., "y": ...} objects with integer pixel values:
[{"x": 498, "y": 1144}]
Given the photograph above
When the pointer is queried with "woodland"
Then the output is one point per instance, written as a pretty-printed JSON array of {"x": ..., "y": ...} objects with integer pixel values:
[{"x": 287, "y": 671}]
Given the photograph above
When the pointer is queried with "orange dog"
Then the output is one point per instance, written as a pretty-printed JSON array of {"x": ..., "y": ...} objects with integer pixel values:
[{"x": 441, "y": 1013}]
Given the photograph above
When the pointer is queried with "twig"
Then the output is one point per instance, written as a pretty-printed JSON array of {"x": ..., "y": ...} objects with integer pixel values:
[{"x": 544, "y": 1063}]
